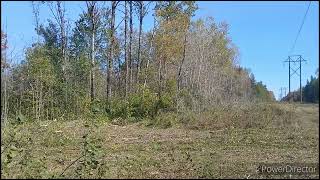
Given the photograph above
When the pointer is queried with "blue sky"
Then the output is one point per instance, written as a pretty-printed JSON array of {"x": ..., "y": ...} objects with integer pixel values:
[{"x": 263, "y": 31}]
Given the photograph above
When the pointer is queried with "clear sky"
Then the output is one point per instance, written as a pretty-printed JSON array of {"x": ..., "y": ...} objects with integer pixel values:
[{"x": 263, "y": 31}]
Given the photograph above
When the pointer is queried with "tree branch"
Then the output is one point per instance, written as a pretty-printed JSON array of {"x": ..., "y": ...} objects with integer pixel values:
[{"x": 71, "y": 164}]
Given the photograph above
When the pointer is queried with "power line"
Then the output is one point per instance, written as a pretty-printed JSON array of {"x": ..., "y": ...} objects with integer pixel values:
[{"x": 304, "y": 18}]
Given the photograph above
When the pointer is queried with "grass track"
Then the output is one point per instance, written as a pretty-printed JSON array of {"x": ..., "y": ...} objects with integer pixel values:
[{"x": 136, "y": 151}]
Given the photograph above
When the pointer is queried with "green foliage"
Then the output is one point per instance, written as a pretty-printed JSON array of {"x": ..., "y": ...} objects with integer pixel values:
[
  {"x": 50, "y": 86},
  {"x": 40, "y": 66},
  {"x": 165, "y": 120},
  {"x": 185, "y": 100},
  {"x": 166, "y": 102},
  {"x": 144, "y": 103},
  {"x": 16, "y": 155},
  {"x": 91, "y": 164},
  {"x": 187, "y": 117},
  {"x": 311, "y": 90},
  {"x": 119, "y": 108},
  {"x": 96, "y": 107},
  {"x": 82, "y": 33},
  {"x": 36, "y": 169},
  {"x": 115, "y": 152},
  {"x": 50, "y": 34},
  {"x": 21, "y": 118},
  {"x": 261, "y": 92},
  {"x": 171, "y": 9},
  {"x": 259, "y": 115},
  {"x": 167, "y": 99}
]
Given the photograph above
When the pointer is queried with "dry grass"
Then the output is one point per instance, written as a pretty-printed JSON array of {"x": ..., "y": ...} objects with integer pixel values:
[{"x": 136, "y": 151}]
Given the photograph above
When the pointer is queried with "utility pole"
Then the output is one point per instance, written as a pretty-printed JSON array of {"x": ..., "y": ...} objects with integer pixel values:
[
  {"x": 289, "y": 78},
  {"x": 294, "y": 59},
  {"x": 300, "y": 80},
  {"x": 282, "y": 93},
  {"x": 285, "y": 91}
]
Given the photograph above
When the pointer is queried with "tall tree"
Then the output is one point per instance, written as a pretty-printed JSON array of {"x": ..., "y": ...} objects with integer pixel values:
[
  {"x": 126, "y": 49},
  {"x": 151, "y": 47},
  {"x": 4, "y": 47},
  {"x": 81, "y": 55},
  {"x": 58, "y": 11},
  {"x": 4, "y": 67},
  {"x": 93, "y": 13},
  {"x": 130, "y": 46},
  {"x": 174, "y": 19},
  {"x": 142, "y": 11},
  {"x": 111, "y": 53}
]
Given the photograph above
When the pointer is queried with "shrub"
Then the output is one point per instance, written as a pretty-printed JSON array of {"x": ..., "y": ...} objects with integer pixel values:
[
  {"x": 21, "y": 118},
  {"x": 97, "y": 107},
  {"x": 165, "y": 120},
  {"x": 187, "y": 117},
  {"x": 238, "y": 116},
  {"x": 185, "y": 99},
  {"x": 141, "y": 104},
  {"x": 166, "y": 102},
  {"x": 144, "y": 103},
  {"x": 119, "y": 108}
]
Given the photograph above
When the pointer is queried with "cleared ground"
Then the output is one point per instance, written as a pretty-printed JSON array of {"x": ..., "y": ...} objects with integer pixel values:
[{"x": 136, "y": 151}]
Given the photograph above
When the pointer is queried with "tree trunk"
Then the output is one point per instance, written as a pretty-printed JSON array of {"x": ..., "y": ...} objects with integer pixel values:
[
  {"x": 110, "y": 60},
  {"x": 119, "y": 76},
  {"x": 91, "y": 7},
  {"x": 63, "y": 37},
  {"x": 125, "y": 51},
  {"x": 182, "y": 61},
  {"x": 61, "y": 22},
  {"x": 5, "y": 104},
  {"x": 154, "y": 54},
  {"x": 40, "y": 99},
  {"x": 139, "y": 41},
  {"x": 92, "y": 94},
  {"x": 160, "y": 77},
  {"x": 130, "y": 47}
]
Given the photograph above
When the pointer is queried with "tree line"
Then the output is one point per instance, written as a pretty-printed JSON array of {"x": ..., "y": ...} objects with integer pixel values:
[
  {"x": 107, "y": 65},
  {"x": 310, "y": 92}
]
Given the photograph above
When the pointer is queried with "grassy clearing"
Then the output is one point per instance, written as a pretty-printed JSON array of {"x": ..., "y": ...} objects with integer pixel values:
[{"x": 177, "y": 147}]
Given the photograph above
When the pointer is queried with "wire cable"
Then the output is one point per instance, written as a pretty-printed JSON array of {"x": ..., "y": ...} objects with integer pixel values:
[{"x": 304, "y": 18}]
